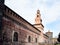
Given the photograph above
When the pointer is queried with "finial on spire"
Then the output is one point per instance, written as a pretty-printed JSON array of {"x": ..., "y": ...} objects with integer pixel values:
[{"x": 38, "y": 11}]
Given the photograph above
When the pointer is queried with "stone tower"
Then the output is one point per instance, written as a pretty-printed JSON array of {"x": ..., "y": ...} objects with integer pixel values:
[
  {"x": 50, "y": 35},
  {"x": 38, "y": 21}
]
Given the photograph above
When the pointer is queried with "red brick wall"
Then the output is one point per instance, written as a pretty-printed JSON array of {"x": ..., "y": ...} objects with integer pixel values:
[{"x": 10, "y": 27}]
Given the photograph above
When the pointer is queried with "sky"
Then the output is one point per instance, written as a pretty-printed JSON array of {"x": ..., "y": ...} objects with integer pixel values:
[{"x": 49, "y": 9}]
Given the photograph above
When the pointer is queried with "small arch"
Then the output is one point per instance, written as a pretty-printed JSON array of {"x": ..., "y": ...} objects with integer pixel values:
[{"x": 15, "y": 36}]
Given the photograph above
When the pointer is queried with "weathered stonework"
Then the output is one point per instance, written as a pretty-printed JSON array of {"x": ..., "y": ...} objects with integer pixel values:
[
  {"x": 12, "y": 23},
  {"x": 17, "y": 31}
]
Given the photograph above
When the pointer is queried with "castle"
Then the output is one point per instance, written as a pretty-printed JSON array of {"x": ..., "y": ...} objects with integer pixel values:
[{"x": 15, "y": 30}]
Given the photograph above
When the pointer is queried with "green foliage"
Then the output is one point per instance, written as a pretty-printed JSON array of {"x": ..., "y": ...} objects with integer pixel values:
[
  {"x": 58, "y": 38},
  {"x": 57, "y": 44}
]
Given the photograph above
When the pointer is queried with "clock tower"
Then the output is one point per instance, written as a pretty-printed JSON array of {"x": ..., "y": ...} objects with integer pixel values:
[{"x": 38, "y": 21}]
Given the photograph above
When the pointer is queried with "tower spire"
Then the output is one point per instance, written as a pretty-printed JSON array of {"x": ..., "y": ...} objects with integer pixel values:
[
  {"x": 38, "y": 11},
  {"x": 38, "y": 21}
]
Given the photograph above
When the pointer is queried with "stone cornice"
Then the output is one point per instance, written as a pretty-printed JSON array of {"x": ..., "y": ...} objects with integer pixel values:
[{"x": 39, "y": 24}]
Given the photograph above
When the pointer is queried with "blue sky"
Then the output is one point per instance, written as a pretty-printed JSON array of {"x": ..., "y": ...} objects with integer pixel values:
[{"x": 49, "y": 9}]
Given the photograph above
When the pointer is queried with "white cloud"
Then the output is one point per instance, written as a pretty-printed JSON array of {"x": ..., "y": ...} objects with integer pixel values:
[{"x": 51, "y": 14}]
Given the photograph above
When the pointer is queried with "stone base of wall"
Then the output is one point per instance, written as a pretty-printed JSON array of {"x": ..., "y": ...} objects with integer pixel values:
[{"x": 18, "y": 43}]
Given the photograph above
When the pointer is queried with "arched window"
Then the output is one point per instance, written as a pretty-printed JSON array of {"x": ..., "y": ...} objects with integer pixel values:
[
  {"x": 15, "y": 36},
  {"x": 29, "y": 39},
  {"x": 36, "y": 40}
]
